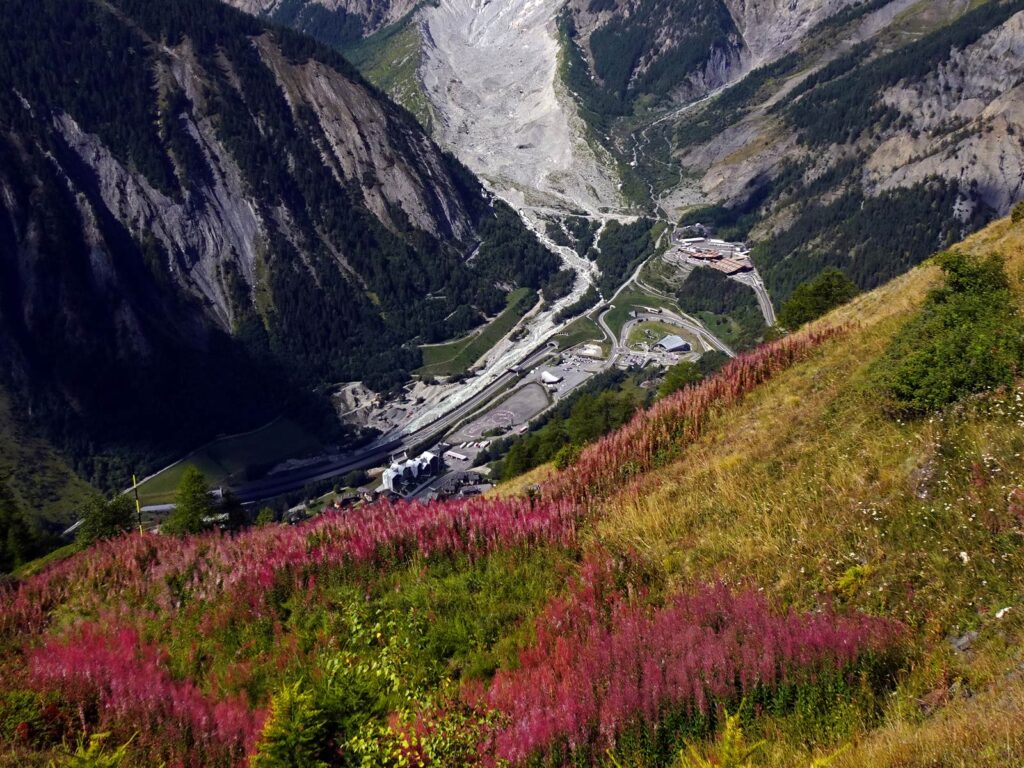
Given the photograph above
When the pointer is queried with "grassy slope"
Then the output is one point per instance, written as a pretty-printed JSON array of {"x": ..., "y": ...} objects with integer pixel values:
[
  {"x": 807, "y": 488},
  {"x": 228, "y": 458},
  {"x": 456, "y": 356},
  {"x": 629, "y": 300},
  {"x": 804, "y": 489},
  {"x": 390, "y": 59},
  {"x": 578, "y": 331},
  {"x": 42, "y": 482}
]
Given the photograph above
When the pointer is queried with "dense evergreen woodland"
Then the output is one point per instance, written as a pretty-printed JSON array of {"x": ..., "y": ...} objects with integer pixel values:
[
  {"x": 133, "y": 353},
  {"x": 632, "y": 60}
]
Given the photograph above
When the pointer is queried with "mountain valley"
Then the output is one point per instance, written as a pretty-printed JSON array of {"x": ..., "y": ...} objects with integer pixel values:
[{"x": 512, "y": 383}]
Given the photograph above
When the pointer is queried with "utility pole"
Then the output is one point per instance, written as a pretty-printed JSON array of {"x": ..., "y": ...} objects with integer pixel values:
[{"x": 138, "y": 506}]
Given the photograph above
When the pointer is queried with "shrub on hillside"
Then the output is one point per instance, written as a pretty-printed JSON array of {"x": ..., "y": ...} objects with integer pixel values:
[
  {"x": 294, "y": 734},
  {"x": 677, "y": 377},
  {"x": 1018, "y": 213},
  {"x": 105, "y": 518},
  {"x": 192, "y": 504},
  {"x": 814, "y": 298},
  {"x": 967, "y": 338}
]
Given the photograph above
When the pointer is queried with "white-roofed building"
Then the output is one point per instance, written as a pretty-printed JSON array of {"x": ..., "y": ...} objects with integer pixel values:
[
  {"x": 407, "y": 471},
  {"x": 673, "y": 344}
]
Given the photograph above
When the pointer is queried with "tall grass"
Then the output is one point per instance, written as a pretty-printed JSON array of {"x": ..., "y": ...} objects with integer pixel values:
[{"x": 656, "y": 435}]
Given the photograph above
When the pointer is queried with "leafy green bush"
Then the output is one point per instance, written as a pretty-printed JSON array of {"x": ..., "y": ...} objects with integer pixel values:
[
  {"x": 817, "y": 296},
  {"x": 967, "y": 338},
  {"x": 678, "y": 376},
  {"x": 92, "y": 754},
  {"x": 104, "y": 518},
  {"x": 1018, "y": 213}
]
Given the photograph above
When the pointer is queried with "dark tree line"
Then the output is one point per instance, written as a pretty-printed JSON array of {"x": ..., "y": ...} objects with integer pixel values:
[
  {"x": 708, "y": 290},
  {"x": 622, "y": 247}
]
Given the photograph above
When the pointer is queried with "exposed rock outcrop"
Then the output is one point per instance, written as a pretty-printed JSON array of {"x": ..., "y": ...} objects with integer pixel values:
[
  {"x": 373, "y": 14},
  {"x": 205, "y": 226},
  {"x": 966, "y": 121},
  {"x": 772, "y": 28}
]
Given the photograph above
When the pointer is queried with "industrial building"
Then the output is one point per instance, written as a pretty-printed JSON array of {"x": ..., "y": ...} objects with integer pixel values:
[
  {"x": 730, "y": 258},
  {"x": 673, "y": 344},
  {"x": 406, "y": 471}
]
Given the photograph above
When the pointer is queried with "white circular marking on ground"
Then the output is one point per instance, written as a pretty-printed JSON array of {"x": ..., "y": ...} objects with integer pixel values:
[{"x": 494, "y": 420}]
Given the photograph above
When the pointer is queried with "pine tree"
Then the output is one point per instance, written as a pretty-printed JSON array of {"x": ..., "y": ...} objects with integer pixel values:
[
  {"x": 232, "y": 507},
  {"x": 192, "y": 504},
  {"x": 295, "y": 733},
  {"x": 17, "y": 542}
]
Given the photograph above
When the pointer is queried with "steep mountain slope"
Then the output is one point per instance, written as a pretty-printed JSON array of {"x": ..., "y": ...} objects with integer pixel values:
[
  {"x": 333, "y": 22},
  {"x": 211, "y": 215},
  {"x": 815, "y": 129},
  {"x": 640, "y": 53},
  {"x": 490, "y": 71},
  {"x": 887, "y": 116},
  {"x": 772, "y": 542},
  {"x": 51, "y": 490},
  {"x": 810, "y": 487}
]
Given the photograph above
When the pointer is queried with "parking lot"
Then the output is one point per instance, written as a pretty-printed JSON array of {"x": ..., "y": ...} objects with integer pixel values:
[{"x": 518, "y": 408}]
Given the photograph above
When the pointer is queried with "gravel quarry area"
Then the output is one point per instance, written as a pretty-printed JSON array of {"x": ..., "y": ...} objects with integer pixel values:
[{"x": 489, "y": 68}]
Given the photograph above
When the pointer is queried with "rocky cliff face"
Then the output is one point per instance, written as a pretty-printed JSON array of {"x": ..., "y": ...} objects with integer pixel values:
[
  {"x": 965, "y": 121},
  {"x": 890, "y": 118},
  {"x": 655, "y": 49},
  {"x": 335, "y": 22},
  {"x": 214, "y": 207},
  {"x": 684, "y": 50},
  {"x": 772, "y": 28},
  {"x": 956, "y": 116}
]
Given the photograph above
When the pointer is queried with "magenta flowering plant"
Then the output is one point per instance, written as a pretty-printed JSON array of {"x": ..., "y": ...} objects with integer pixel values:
[
  {"x": 604, "y": 661},
  {"x": 115, "y": 683},
  {"x": 167, "y": 573}
]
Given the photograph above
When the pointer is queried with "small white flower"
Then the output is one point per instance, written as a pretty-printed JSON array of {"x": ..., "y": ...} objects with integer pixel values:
[
  {"x": 965, "y": 558},
  {"x": 1002, "y": 612}
]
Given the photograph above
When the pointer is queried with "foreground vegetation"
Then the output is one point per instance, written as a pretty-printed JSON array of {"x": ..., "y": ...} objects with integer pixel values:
[{"x": 774, "y": 550}]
